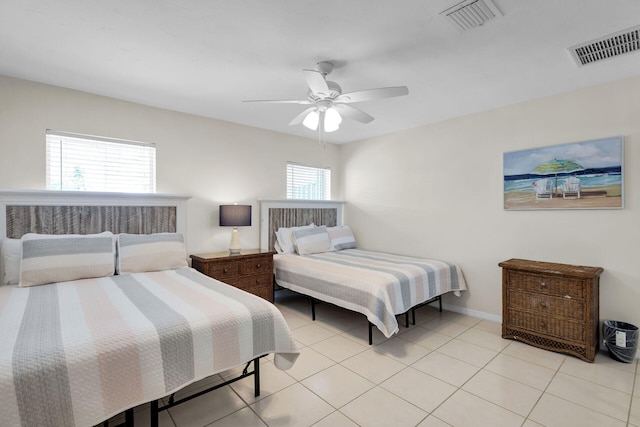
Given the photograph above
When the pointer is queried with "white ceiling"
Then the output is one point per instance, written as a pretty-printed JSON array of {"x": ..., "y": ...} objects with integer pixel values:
[{"x": 205, "y": 56}]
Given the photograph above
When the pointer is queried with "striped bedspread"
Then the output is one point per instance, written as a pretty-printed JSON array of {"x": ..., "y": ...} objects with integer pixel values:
[
  {"x": 376, "y": 284},
  {"x": 76, "y": 353}
]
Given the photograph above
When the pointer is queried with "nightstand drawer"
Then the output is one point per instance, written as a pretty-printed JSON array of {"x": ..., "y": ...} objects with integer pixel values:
[
  {"x": 224, "y": 269},
  {"x": 249, "y": 283},
  {"x": 259, "y": 265}
]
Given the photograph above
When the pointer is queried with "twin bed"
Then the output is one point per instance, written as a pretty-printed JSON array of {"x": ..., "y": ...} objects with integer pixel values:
[
  {"x": 93, "y": 344},
  {"x": 379, "y": 285}
]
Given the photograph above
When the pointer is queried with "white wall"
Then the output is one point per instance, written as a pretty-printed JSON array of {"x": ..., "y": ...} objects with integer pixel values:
[
  {"x": 436, "y": 191},
  {"x": 216, "y": 162}
]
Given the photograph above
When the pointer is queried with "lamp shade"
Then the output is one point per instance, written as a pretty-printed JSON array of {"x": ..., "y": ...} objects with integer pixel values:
[{"x": 235, "y": 215}]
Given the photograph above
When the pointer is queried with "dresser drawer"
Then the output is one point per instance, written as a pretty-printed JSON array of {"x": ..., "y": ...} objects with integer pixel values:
[
  {"x": 252, "y": 283},
  {"x": 223, "y": 270},
  {"x": 259, "y": 265},
  {"x": 547, "y": 325},
  {"x": 558, "y": 286},
  {"x": 567, "y": 308}
]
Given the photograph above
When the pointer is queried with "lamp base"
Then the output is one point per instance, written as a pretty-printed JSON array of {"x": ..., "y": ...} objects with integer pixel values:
[{"x": 234, "y": 246}]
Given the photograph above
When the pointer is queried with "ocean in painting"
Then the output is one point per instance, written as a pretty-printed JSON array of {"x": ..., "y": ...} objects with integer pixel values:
[{"x": 586, "y": 181}]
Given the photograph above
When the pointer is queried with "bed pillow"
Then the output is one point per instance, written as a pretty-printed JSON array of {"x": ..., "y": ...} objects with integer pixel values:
[
  {"x": 138, "y": 253},
  {"x": 341, "y": 237},
  {"x": 11, "y": 256},
  {"x": 48, "y": 258},
  {"x": 312, "y": 240},
  {"x": 284, "y": 238}
]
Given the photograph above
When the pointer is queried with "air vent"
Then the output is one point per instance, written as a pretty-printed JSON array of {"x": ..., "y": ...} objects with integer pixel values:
[
  {"x": 607, "y": 47},
  {"x": 471, "y": 13}
]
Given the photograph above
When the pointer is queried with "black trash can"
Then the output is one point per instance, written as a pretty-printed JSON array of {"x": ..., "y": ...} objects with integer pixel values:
[{"x": 621, "y": 340}]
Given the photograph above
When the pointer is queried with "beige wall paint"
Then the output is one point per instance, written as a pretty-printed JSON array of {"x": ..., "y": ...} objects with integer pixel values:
[
  {"x": 214, "y": 161},
  {"x": 432, "y": 191},
  {"x": 436, "y": 191}
]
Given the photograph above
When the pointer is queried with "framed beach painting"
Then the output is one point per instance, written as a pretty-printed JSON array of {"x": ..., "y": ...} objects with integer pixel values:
[{"x": 580, "y": 175}]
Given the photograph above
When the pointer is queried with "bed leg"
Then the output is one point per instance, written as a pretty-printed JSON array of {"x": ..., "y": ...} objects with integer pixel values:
[
  {"x": 370, "y": 333},
  {"x": 440, "y": 302},
  {"x": 313, "y": 308},
  {"x": 256, "y": 376},
  {"x": 153, "y": 409},
  {"x": 413, "y": 316},
  {"x": 406, "y": 319},
  {"x": 128, "y": 417}
]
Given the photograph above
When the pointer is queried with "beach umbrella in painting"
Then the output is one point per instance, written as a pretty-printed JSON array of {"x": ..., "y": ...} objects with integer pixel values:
[{"x": 555, "y": 166}]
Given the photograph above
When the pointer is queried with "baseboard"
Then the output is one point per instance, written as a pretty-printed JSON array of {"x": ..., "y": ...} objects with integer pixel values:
[{"x": 472, "y": 313}]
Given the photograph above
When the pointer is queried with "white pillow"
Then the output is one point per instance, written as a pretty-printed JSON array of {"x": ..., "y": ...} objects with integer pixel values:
[
  {"x": 50, "y": 258},
  {"x": 284, "y": 238},
  {"x": 11, "y": 257},
  {"x": 312, "y": 240},
  {"x": 138, "y": 253},
  {"x": 341, "y": 237}
]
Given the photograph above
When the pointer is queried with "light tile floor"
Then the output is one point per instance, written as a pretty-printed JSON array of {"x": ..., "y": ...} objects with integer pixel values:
[{"x": 447, "y": 370}]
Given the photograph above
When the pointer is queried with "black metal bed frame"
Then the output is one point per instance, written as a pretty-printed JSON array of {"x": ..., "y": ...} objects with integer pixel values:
[
  {"x": 155, "y": 407},
  {"x": 315, "y": 301}
]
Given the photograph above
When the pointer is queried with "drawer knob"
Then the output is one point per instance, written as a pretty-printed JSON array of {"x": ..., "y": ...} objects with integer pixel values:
[
  {"x": 258, "y": 265},
  {"x": 543, "y": 304},
  {"x": 257, "y": 281},
  {"x": 225, "y": 271},
  {"x": 543, "y": 285}
]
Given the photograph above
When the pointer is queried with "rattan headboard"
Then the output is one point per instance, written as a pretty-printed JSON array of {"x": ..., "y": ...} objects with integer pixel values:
[
  {"x": 53, "y": 212},
  {"x": 292, "y": 213}
]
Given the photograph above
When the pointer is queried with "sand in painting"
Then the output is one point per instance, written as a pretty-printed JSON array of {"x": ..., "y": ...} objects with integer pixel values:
[{"x": 591, "y": 197}]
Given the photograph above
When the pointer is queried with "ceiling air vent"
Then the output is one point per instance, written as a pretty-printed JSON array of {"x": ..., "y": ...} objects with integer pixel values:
[
  {"x": 607, "y": 47},
  {"x": 471, "y": 13}
]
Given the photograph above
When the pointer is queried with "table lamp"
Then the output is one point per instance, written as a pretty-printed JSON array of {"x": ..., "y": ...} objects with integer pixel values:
[{"x": 235, "y": 216}]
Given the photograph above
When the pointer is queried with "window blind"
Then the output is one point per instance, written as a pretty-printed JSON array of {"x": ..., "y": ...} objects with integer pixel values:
[
  {"x": 308, "y": 182},
  {"x": 90, "y": 163}
]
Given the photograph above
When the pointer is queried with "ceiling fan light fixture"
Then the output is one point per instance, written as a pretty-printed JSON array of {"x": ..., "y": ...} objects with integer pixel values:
[
  {"x": 332, "y": 120},
  {"x": 312, "y": 120}
]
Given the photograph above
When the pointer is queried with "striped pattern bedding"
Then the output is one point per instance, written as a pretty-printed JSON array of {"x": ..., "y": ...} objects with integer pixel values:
[
  {"x": 376, "y": 284},
  {"x": 76, "y": 353}
]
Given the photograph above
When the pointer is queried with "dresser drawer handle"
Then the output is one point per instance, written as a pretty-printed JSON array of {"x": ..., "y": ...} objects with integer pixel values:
[
  {"x": 543, "y": 304},
  {"x": 258, "y": 265},
  {"x": 257, "y": 281},
  {"x": 567, "y": 296},
  {"x": 225, "y": 271},
  {"x": 543, "y": 285}
]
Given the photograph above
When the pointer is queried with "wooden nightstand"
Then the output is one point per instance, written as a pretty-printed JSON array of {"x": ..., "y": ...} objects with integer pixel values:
[{"x": 251, "y": 271}]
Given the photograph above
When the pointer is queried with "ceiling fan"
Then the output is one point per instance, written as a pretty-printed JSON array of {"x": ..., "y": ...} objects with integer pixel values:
[{"x": 328, "y": 102}]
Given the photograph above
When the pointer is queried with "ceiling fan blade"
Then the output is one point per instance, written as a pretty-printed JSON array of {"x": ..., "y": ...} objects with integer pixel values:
[
  {"x": 353, "y": 113},
  {"x": 371, "y": 94},
  {"x": 300, "y": 117},
  {"x": 317, "y": 83},
  {"x": 281, "y": 101}
]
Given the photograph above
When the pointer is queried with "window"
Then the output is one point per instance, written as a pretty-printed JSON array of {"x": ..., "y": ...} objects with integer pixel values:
[
  {"x": 307, "y": 182},
  {"x": 91, "y": 163}
]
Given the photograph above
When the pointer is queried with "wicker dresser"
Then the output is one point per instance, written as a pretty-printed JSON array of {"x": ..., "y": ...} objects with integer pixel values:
[{"x": 551, "y": 306}]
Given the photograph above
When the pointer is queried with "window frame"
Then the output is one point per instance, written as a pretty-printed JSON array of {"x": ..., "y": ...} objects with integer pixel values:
[
  {"x": 112, "y": 165},
  {"x": 308, "y": 170}
]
